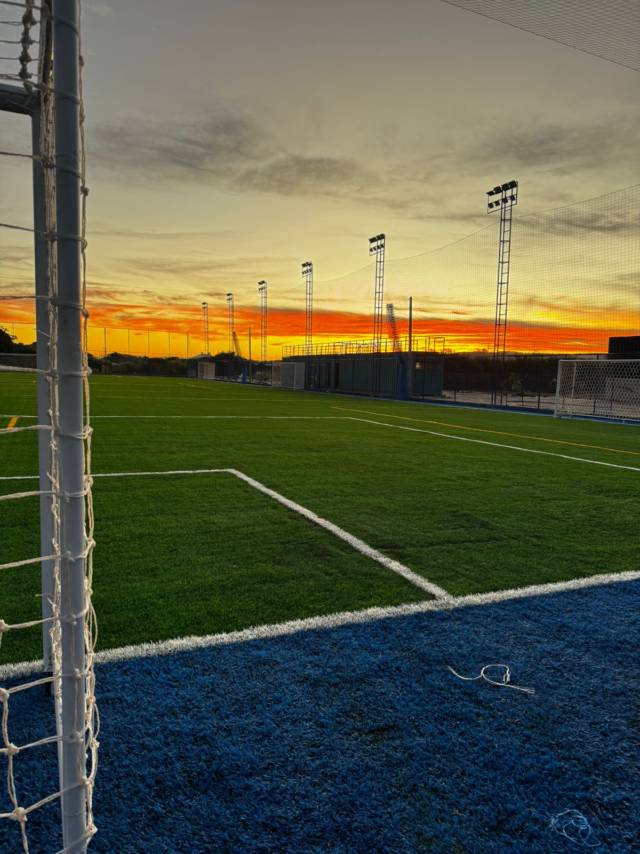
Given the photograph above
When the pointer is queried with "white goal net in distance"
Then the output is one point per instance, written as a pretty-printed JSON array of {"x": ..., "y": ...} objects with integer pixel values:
[
  {"x": 206, "y": 370},
  {"x": 288, "y": 375},
  {"x": 600, "y": 388}
]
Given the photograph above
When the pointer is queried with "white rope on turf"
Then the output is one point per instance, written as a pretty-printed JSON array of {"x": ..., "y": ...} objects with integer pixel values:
[{"x": 504, "y": 682}]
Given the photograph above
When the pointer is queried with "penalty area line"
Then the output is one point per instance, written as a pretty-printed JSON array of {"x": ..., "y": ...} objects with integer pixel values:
[
  {"x": 497, "y": 444},
  {"x": 328, "y": 622},
  {"x": 355, "y": 543}
]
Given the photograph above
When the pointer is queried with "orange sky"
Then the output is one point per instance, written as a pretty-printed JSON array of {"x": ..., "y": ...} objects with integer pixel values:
[
  {"x": 303, "y": 149},
  {"x": 146, "y": 326}
]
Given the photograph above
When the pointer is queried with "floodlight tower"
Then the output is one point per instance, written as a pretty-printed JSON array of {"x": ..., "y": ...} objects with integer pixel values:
[
  {"x": 205, "y": 324},
  {"x": 262, "y": 290},
  {"x": 231, "y": 321},
  {"x": 502, "y": 198},
  {"x": 307, "y": 275},
  {"x": 377, "y": 247}
]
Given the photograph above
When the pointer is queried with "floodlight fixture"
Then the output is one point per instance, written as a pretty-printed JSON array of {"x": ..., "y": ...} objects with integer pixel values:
[
  {"x": 507, "y": 196},
  {"x": 376, "y": 243}
]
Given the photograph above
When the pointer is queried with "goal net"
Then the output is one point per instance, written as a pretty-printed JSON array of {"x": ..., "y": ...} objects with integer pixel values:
[
  {"x": 41, "y": 81},
  {"x": 206, "y": 370},
  {"x": 604, "y": 388},
  {"x": 288, "y": 375}
]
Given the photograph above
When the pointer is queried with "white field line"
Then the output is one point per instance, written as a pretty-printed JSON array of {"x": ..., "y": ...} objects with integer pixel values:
[
  {"x": 355, "y": 543},
  {"x": 330, "y": 621},
  {"x": 497, "y": 444},
  {"x": 240, "y": 417},
  {"x": 219, "y": 417}
]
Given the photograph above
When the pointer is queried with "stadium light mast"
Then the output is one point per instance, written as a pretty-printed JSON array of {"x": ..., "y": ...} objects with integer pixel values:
[
  {"x": 262, "y": 290},
  {"x": 231, "y": 321},
  {"x": 205, "y": 325},
  {"x": 377, "y": 248},
  {"x": 502, "y": 198},
  {"x": 307, "y": 275}
]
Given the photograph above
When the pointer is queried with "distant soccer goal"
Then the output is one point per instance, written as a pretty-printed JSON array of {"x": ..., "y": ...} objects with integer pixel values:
[
  {"x": 206, "y": 370},
  {"x": 602, "y": 388},
  {"x": 288, "y": 375}
]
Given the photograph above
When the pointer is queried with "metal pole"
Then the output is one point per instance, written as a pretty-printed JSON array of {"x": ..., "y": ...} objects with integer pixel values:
[
  {"x": 42, "y": 364},
  {"x": 69, "y": 432},
  {"x": 250, "y": 366}
]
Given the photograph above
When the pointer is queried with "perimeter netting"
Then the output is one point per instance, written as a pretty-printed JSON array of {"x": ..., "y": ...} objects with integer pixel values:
[
  {"x": 608, "y": 30},
  {"x": 603, "y": 388},
  {"x": 44, "y": 84}
]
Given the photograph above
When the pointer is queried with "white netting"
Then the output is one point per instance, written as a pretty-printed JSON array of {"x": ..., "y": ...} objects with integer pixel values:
[
  {"x": 19, "y": 40},
  {"x": 67, "y": 617},
  {"x": 206, "y": 370},
  {"x": 288, "y": 375},
  {"x": 601, "y": 388}
]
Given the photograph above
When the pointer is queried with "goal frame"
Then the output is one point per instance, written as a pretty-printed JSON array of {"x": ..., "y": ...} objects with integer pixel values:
[
  {"x": 64, "y": 484},
  {"x": 586, "y": 388}
]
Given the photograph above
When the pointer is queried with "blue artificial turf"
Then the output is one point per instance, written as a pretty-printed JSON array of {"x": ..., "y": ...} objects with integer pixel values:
[{"x": 360, "y": 740}]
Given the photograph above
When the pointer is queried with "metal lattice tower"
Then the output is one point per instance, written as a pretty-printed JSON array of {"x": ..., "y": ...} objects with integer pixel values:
[
  {"x": 377, "y": 247},
  {"x": 231, "y": 321},
  {"x": 205, "y": 326},
  {"x": 502, "y": 198},
  {"x": 262, "y": 290},
  {"x": 307, "y": 275},
  {"x": 392, "y": 328}
]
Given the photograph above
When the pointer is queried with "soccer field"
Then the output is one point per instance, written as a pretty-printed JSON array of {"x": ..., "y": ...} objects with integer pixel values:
[
  {"x": 282, "y": 582},
  {"x": 452, "y": 502}
]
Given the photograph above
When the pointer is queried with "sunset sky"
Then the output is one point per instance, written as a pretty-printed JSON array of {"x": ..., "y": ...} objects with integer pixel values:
[{"x": 229, "y": 140}]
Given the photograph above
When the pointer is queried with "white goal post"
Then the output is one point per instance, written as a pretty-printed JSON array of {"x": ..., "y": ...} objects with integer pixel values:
[
  {"x": 288, "y": 375},
  {"x": 44, "y": 84},
  {"x": 600, "y": 388},
  {"x": 206, "y": 370}
]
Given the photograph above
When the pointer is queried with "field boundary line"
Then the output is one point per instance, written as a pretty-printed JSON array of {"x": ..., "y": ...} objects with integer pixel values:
[
  {"x": 221, "y": 417},
  {"x": 355, "y": 543},
  {"x": 498, "y": 444},
  {"x": 351, "y": 540},
  {"x": 494, "y": 432},
  {"x": 330, "y": 621}
]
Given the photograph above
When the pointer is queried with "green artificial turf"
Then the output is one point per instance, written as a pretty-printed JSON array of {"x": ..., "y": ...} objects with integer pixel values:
[{"x": 200, "y": 554}]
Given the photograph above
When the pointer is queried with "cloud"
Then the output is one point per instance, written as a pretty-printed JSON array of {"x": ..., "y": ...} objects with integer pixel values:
[
  {"x": 295, "y": 174},
  {"x": 560, "y": 148},
  {"x": 214, "y": 149},
  {"x": 235, "y": 152},
  {"x": 228, "y": 150}
]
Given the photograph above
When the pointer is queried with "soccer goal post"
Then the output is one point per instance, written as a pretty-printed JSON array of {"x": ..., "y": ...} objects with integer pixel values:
[
  {"x": 288, "y": 375},
  {"x": 47, "y": 90},
  {"x": 206, "y": 370},
  {"x": 599, "y": 388}
]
